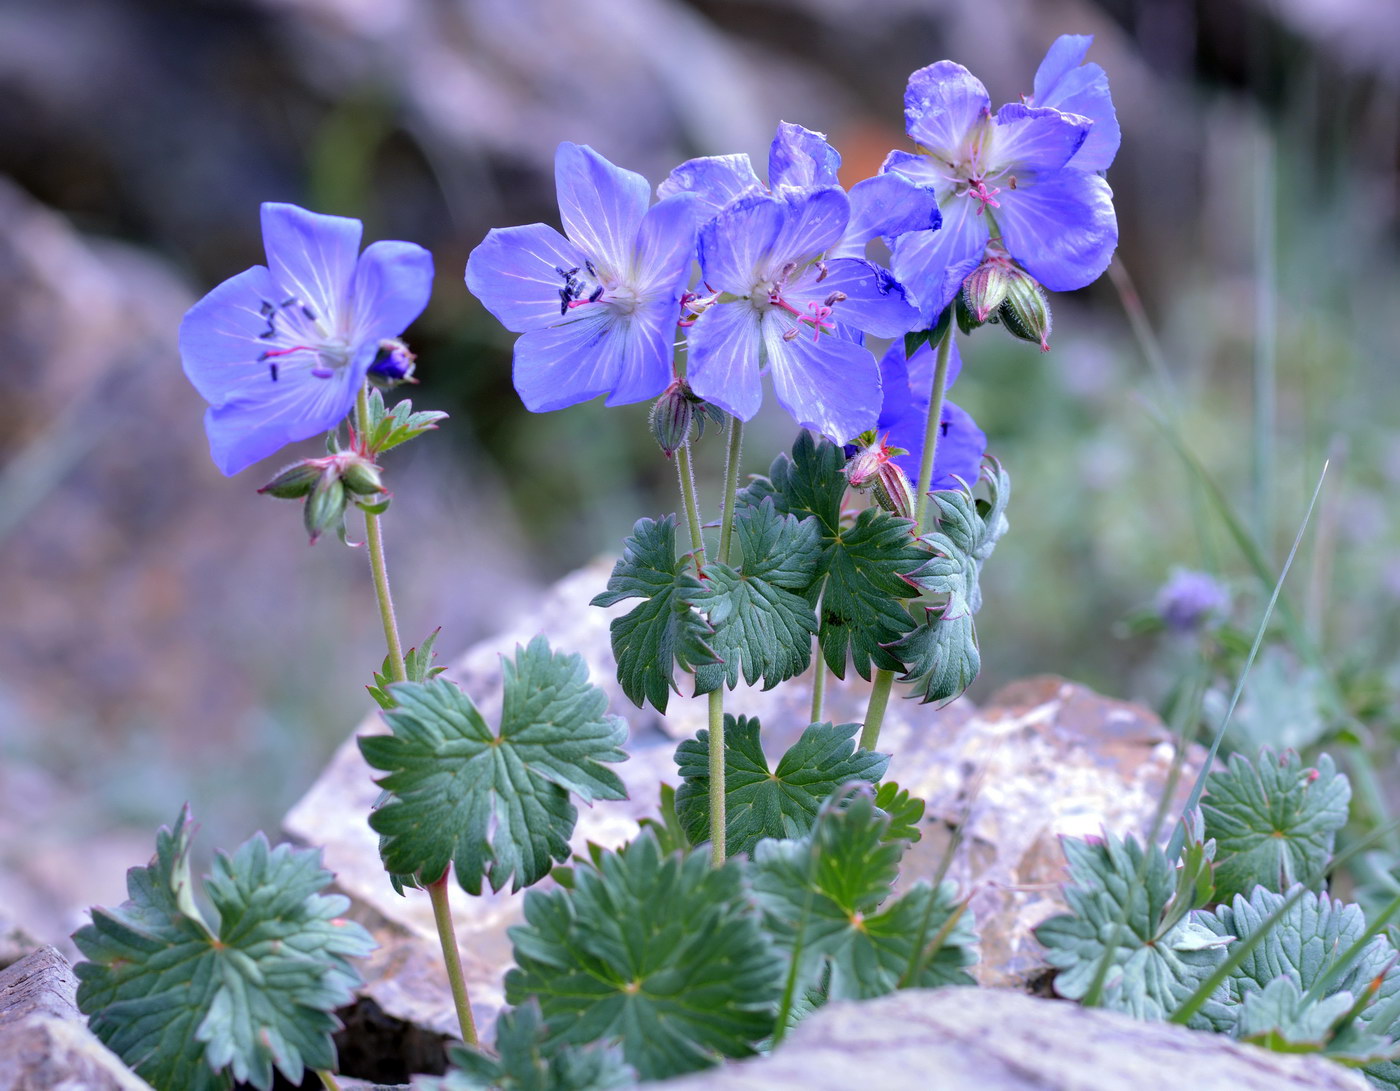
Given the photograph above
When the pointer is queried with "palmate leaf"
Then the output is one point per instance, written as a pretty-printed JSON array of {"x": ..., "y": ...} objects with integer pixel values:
[
  {"x": 1161, "y": 953},
  {"x": 824, "y": 901},
  {"x": 905, "y": 811},
  {"x": 942, "y": 656},
  {"x": 192, "y": 1007},
  {"x": 759, "y": 803},
  {"x": 495, "y": 806},
  {"x": 860, "y": 575},
  {"x": 662, "y": 631},
  {"x": 660, "y": 953},
  {"x": 386, "y": 429},
  {"x": 761, "y": 618},
  {"x": 1314, "y": 935},
  {"x": 1274, "y": 821},
  {"x": 524, "y": 1061}
]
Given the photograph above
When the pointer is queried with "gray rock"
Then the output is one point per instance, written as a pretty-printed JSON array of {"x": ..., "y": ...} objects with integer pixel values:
[
  {"x": 44, "y": 1041},
  {"x": 1000, "y": 1040}
]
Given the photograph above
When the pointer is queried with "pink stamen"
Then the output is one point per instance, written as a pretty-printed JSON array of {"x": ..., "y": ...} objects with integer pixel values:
[{"x": 987, "y": 197}]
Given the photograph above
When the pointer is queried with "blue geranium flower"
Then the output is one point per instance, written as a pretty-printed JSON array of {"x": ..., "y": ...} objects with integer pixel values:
[
  {"x": 597, "y": 310},
  {"x": 780, "y": 303},
  {"x": 281, "y": 350},
  {"x": 800, "y": 160},
  {"x": 1019, "y": 183},
  {"x": 907, "y": 386}
]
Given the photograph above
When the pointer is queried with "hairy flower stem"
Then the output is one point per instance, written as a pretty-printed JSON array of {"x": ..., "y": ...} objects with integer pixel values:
[
  {"x": 818, "y": 689},
  {"x": 686, "y": 472},
  {"x": 447, "y": 935},
  {"x": 374, "y": 542},
  {"x": 718, "y": 817},
  {"x": 327, "y": 1080},
  {"x": 884, "y": 680}
]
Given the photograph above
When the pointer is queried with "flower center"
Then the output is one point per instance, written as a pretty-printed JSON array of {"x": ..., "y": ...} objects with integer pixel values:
[
  {"x": 301, "y": 338},
  {"x": 978, "y": 190}
]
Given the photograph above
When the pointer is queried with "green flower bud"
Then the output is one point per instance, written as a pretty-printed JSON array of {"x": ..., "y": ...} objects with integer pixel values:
[
  {"x": 983, "y": 292},
  {"x": 871, "y": 468},
  {"x": 676, "y": 412},
  {"x": 1025, "y": 312},
  {"x": 295, "y": 481},
  {"x": 325, "y": 507},
  {"x": 360, "y": 476}
]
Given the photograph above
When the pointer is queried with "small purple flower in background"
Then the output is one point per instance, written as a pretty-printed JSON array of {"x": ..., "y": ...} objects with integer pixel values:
[
  {"x": 1011, "y": 184},
  {"x": 280, "y": 351},
  {"x": 904, "y": 417},
  {"x": 1190, "y": 601},
  {"x": 779, "y": 303},
  {"x": 597, "y": 310}
]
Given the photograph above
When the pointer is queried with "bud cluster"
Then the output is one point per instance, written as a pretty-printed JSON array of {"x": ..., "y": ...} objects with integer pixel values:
[
  {"x": 997, "y": 291},
  {"x": 873, "y": 467},
  {"x": 329, "y": 485}
]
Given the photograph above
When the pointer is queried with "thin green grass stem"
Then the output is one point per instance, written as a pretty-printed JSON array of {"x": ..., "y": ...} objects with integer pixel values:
[
  {"x": 452, "y": 959},
  {"x": 731, "y": 488},
  {"x": 686, "y": 472},
  {"x": 1179, "y": 837},
  {"x": 374, "y": 544},
  {"x": 1265, "y": 371}
]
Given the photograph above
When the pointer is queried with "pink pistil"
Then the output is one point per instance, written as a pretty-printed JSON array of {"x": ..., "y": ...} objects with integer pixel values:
[{"x": 987, "y": 197}]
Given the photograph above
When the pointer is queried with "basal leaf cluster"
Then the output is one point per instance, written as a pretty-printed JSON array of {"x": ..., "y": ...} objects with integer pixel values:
[{"x": 193, "y": 1006}]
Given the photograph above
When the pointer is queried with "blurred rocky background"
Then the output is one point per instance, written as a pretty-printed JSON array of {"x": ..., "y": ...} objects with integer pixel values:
[{"x": 168, "y": 635}]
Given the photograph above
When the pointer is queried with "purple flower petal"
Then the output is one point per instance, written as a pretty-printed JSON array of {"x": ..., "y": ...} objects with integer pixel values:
[
  {"x": 645, "y": 350},
  {"x": 298, "y": 407},
  {"x": 518, "y": 273},
  {"x": 220, "y": 336},
  {"x": 1062, "y": 229},
  {"x": 801, "y": 158},
  {"x": 1034, "y": 138},
  {"x": 875, "y": 302},
  {"x": 932, "y": 264},
  {"x": 890, "y": 205},
  {"x": 666, "y": 246},
  {"x": 740, "y": 240},
  {"x": 1064, "y": 83},
  {"x": 828, "y": 384},
  {"x": 601, "y": 205},
  {"x": 718, "y": 180},
  {"x": 724, "y": 348},
  {"x": 941, "y": 105},
  {"x": 569, "y": 363},
  {"x": 815, "y": 220},
  {"x": 390, "y": 288},
  {"x": 904, "y": 418},
  {"x": 919, "y": 368},
  {"x": 311, "y": 256}
]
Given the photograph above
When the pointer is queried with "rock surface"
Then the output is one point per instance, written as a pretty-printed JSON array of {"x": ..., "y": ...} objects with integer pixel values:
[
  {"x": 1001, "y": 1040},
  {"x": 1044, "y": 758},
  {"x": 44, "y": 1040}
]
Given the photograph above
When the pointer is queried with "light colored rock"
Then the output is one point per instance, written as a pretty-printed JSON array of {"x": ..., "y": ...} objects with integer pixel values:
[
  {"x": 44, "y": 1041},
  {"x": 1001, "y": 1040},
  {"x": 1045, "y": 758}
]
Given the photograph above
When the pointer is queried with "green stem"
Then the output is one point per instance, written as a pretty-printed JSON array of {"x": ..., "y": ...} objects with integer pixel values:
[
  {"x": 719, "y": 821},
  {"x": 931, "y": 429},
  {"x": 719, "y": 827},
  {"x": 686, "y": 472},
  {"x": 447, "y": 936},
  {"x": 818, "y": 688},
  {"x": 875, "y": 711},
  {"x": 731, "y": 489},
  {"x": 327, "y": 1080},
  {"x": 884, "y": 680},
  {"x": 374, "y": 543}
]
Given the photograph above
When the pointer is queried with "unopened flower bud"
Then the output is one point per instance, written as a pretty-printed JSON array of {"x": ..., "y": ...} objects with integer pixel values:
[
  {"x": 872, "y": 467},
  {"x": 393, "y": 364},
  {"x": 984, "y": 291},
  {"x": 676, "y": 412},
  {"x": 360, "y": 476},
  {"x": 325, "y": 507},
  {"x": 1025, "y": 312},
  {"x": 295, "y": 481}
]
